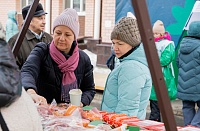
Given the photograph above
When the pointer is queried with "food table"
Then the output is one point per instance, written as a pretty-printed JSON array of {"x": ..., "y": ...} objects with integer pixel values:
[{"x": 66, "y": 117}]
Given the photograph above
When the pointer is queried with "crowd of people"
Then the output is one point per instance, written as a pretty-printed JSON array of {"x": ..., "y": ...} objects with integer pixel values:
[{"x": 52, "y": 65}]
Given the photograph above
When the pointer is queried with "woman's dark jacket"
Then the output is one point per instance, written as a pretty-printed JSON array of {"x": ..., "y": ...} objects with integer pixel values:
[
  {"x": 10, "y": 85},
  {"x": 42, "y": 74}
]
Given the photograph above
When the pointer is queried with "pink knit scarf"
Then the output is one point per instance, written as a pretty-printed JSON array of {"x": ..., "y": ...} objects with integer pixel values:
[
  {"x": 166, "y": 36},
  {"x": 67, "y": 67}
]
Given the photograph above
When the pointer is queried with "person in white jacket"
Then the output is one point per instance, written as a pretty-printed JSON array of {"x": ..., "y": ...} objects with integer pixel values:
[{"x": 22, "y": 114}]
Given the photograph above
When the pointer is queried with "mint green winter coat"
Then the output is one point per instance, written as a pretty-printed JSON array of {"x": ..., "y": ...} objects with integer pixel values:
[
  {"x": 166, "y": 53},
  {"x": 11, "y": 25},
  {"x": 128, "y": 86}
]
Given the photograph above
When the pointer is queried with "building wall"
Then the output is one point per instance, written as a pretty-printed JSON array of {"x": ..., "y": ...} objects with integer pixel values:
[
  {"x": 100, "y": 47},
  {"x": 89, "y": 18},
  {"x": 18, "y": 6},
  {"x": 55, "y": 10},
  {"x": 5, "y": 6},
  {"x": 82, "y": 26},
  {"x": 108, "y": 19}
]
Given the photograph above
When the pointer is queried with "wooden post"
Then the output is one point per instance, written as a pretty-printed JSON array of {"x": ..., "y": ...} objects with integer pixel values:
[
  {"x": 24, "y": 28},
  {"x": 145, "y": 28}
]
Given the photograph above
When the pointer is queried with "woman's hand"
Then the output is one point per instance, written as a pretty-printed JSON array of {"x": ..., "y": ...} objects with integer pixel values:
[
  {"x": 81, "y": 104},
  {"x": 40, "y": 100}
]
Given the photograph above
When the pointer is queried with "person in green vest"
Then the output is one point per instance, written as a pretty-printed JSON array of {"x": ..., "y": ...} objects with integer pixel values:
[{"x": 166, "y": 52}]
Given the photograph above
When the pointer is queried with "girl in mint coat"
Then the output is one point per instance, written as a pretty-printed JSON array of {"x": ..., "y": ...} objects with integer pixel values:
[
  {"x": 128, "y": 86},
  {"x": 166, "y": 52},
  {"x": 11, "y": 25}
]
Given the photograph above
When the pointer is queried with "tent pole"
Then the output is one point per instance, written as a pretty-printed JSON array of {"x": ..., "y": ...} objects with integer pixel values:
[
  {"x": 24, "y": 28},
  {"x": 145, "y": 28}
]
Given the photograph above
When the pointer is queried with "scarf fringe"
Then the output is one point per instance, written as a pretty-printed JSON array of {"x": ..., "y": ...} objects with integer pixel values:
[{"x": 65, "y": 91}]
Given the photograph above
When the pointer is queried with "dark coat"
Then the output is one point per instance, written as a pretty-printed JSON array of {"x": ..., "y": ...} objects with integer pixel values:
[
  {"x": 42, "y": 74},
  {"x": 28, "y": 44},
  {"x": 188, "y": 61},
  {"x": 10, "y": 86}
]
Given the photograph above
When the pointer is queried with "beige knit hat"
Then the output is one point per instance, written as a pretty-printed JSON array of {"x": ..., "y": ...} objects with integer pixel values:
[
  {"x": 69, "y": 18},
  {"x": 127, "y": 31},
  {"x": 158, "y": 27}
]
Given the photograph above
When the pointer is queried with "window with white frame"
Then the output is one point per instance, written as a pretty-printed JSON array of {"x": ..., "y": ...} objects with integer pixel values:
[
  {"x": 78, "y": 5},
  {"x": 26, "y": 2}
]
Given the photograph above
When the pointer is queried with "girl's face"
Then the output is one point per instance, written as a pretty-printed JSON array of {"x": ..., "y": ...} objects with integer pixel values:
[
  {"x": 63, "y": 38},
  {"x": 120, "y": 47},
  {"x": 157, "y": 35}
]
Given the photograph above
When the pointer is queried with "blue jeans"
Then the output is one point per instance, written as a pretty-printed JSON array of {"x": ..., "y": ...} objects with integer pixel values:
[{"x": 191, "y": 116}]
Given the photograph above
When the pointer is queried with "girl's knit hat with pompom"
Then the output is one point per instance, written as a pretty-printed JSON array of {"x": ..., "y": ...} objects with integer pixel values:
[{"x": 158, "y": 27}]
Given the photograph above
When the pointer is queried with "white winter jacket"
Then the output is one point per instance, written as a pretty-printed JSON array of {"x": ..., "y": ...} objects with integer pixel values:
[{"x": 22, "y": 115}]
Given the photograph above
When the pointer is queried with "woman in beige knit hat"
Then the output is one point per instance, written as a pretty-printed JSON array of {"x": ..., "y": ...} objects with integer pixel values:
[
  {"x": 128, "y": 86},
  {"x": 166, "y": 52},
  {"x": 53, "y": 69}
]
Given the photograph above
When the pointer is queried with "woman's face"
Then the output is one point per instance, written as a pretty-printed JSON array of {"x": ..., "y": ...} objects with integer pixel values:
[
  {"x": 120, "y": 47},
  {"x": 63, "y": 38}
]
